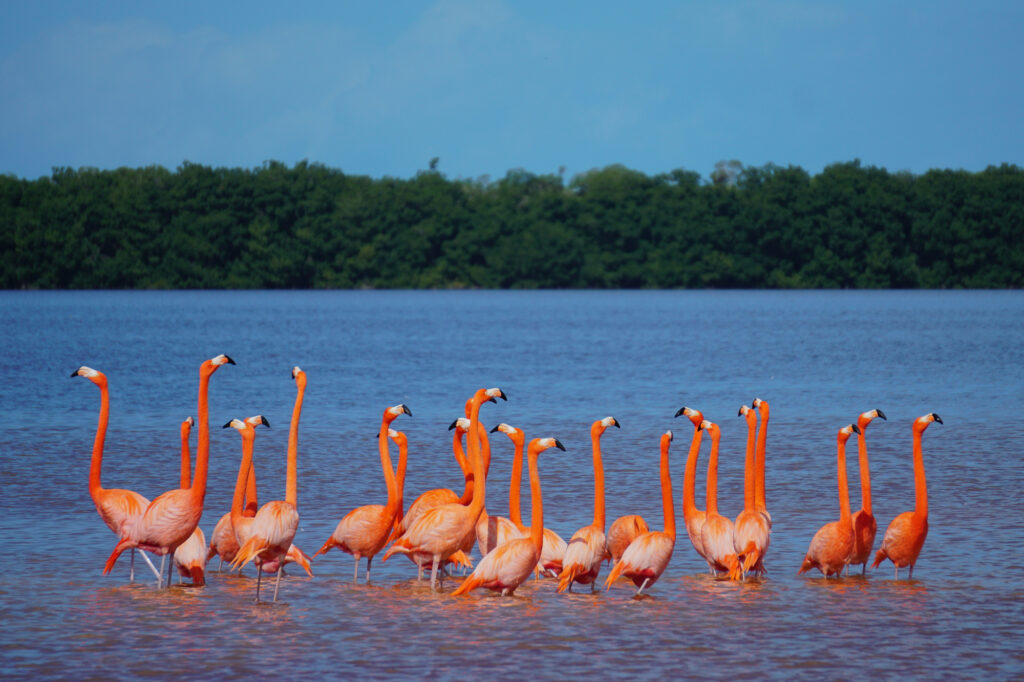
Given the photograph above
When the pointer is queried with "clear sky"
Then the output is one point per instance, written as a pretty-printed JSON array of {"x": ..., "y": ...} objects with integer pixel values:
[{"x": 379, "y": 88}]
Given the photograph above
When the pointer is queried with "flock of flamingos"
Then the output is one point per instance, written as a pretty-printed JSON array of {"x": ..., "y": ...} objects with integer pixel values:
[{"x": 440, "y": 527}]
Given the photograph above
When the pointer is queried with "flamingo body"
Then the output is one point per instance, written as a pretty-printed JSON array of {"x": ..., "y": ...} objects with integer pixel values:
[
  {"x": 645, "y": 559},
  {"x": 586, "y": 551},
  {"x": 190, "y": 558},
  {"x": 623, "y": 531},
  {"x": 830, "y": 548}
]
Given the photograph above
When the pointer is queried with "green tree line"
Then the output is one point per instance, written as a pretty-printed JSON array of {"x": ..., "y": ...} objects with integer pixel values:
[{"x": 310, "y": 226}]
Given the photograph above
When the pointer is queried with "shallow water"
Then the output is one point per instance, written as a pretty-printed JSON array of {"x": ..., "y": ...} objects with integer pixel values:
[{"x": 565, "y": 359}]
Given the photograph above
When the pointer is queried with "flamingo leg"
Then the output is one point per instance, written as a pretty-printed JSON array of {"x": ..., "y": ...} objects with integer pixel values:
[
  {"x": 911, "y": 576},
  {"x": 221, "y": 564},
  {"x": 641, "y": 588},
  {"x": 419, "y": 574},
  {"x": 151, "y": 566},
  {"x": 131, "y": 569},
  {"x": 895, "y": 571},
  {"x": 864, "y": 569},
  {"x": 433, "y": 573},
  {"x": 277, "y": 583},
  {"x": 369, "y": 562},
  {"x": 355, "y": 573},
  {"x": 170, "y": 569}
]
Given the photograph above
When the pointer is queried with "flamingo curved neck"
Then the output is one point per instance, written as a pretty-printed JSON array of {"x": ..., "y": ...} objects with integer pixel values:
[
  {"x": 96, "y": 465},
  {"x": 252, "y": 504},
  {"x": 865, "y": 471},
  {"x": 403, "y": 460},
  {"x": 762, "y": 440},
  {"x": 248, "y": 437},
  {"x": 475, "y": 455},
  {"x": 389, "y": 473},
  {"x": 666, "y": 491},
  {"x": 198, "y": 487},
  {"x": 748, "y": 468},
  {"x": 467, "y": 469},
  {"x": 514, "y": 504},
  {"x": 844, "y": 489},
  {"x": 690, "y": 477},
  {"x": 599, "y": 516},
  {"x": 920, "y": 485},
  {"x": 537, "y": 506},
  {"x": 712, "y": 492},
  {"x": 291, "y": 494},
  {"x": 186, "y": 460}
]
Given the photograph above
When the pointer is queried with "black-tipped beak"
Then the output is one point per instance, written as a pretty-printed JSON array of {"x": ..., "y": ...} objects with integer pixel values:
[
  {"x": 881, "y": 414},
  {"x": 936, "y": 417},
  {"x": 226, "y": 425},
  {"x": 264, "y": 421},
  {"x": 700, "y": 427},
  {"x": 452, "y": 425},
  {"x": 492, "y": 430},
  {"x": 615, "y": 423},
  {"x": 739, "y": 412},
  {"x": 558, "y": 444},
  {"x": 680, "y": 411},
  {"x": 503, "y": 396},
  {"x": 406, "y": 410},
  {"x": 230, "y": 361},
  {"x": 856, "y": 429},
  {"x": 74, "y": 374}
]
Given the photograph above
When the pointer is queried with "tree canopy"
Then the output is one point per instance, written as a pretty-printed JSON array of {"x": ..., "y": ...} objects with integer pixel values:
[{"x": 310, "y": 226}]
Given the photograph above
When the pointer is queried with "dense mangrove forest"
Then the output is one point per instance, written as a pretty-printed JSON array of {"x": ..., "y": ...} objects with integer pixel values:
[{"x": 311, "y": 226}]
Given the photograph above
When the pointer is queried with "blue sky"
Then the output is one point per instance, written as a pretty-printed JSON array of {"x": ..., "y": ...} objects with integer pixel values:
[{"x": 492, "y": 85}]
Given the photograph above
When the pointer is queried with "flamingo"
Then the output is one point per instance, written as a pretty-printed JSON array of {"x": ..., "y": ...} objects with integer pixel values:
[
  {"x": 170, "y": 519},
  {"x": 648, "y": 555},
  {"x": 751, "y": 532},
  {"x": 364, "y": 531},
  {"x": 622, "y": 532},
  {"x": 190, "y": 556},
  {"x": 240, "y": 522},
  {"x": 274, "y": 526},
  {"x": 905, "y": 536},
  {"x": 505, "y": 567},
  {"x": 762, "y": 439},
  {"x": 492, "y": 531},
  {"x": 441, "y": 532},
  {"x": 115, "y": 505},
  {"x": 693, "y": 518},
  {"x": 225, "y": 540},
  {"x": 832, "y": 546},
  {"x": 588, "y": 547},
  {"x": 716, "y": 535},
  {"x": 553, "y": 550},
  {"x": 864, "y": 524}
]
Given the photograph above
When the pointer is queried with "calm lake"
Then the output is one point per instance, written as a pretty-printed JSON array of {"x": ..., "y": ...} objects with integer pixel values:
[{"x": 564, "y": 359}]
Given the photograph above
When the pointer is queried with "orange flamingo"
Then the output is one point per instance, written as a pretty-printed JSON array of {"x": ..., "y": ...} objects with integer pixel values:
[
  {"x": 239, "y": 521},
  {"x": 832, "y": 546},
  {"x": 716, "y": 535},
  {"x": 274, "y": 526},
  {"x": 225, "y": 540},
  {"x": 115, "y": 505},
  {"x": 492, "y": 531},
  {"x": 171, "y": 517},
  {"x": 364, "y": 531},
  {"x": 864, "y": 524},
  {"x": 441, "y": 532},
  {"x": 693, "y": 518},
  {"x": 648, "y": 555},
  {"x": 438, "y": 496},
  {"x": 588, "y": 547},
  {"x": 905, "y": 536},
  {"x": 622, "y": 532},
  {"x": 751, "y": 532},
  {"x": 510, "y": 563},
  {"x": 553, "y": 550},
  {"x": 190, "y": 556}
]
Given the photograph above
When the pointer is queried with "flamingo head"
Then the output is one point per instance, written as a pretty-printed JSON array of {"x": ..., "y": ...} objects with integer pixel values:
[
  {"x": 750, "y": 414},
  {"x": 398, "y": 437},
  {"x": 299, "y": 376},
  {"x": 711, "y": 428},
  {"x": 865, "y": 418},
  {"x": 695, "y": 416},
  {"x": 922, "y": 423},
  {"x": 762, "y": 407},
  {"x": 539, "y": 445},
  {"x": 598, "y": 427},
  {"x": 460, "y": 425},
  {"x": 89, "y": 373},
  {"x": 392, "y": 413},
  {"x": 213, "y": 364},
  {"x": 847, "y": 431}
]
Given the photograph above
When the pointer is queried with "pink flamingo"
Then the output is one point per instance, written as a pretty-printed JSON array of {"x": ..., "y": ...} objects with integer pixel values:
[
  {"x": 716, "y": 535},
  {"x": 864, "y": 524},
  {"x": 588, "y": 547},
  {"x": 905, "y": 536},
  {"x": 832, "y": 546},
  {"x": 505, "y": 567},
  {"x": 190, "y": 556},
  {"x": 115, "y": 505},
  {"x": 751, "y": 532},
  {"x": 693, "y": 518},
  {"x": 648, "y": 555},
  {"x": 170, "y": 519},
  {"x": 364, "y": 531},
  {"x": 441, "y": 532}
]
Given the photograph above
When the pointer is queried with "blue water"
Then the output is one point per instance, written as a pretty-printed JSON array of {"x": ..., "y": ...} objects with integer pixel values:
[{"x": 565, "y": 359}]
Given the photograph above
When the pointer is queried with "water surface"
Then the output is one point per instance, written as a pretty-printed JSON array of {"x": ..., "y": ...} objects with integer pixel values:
[{"x": 565, "y": 359}]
